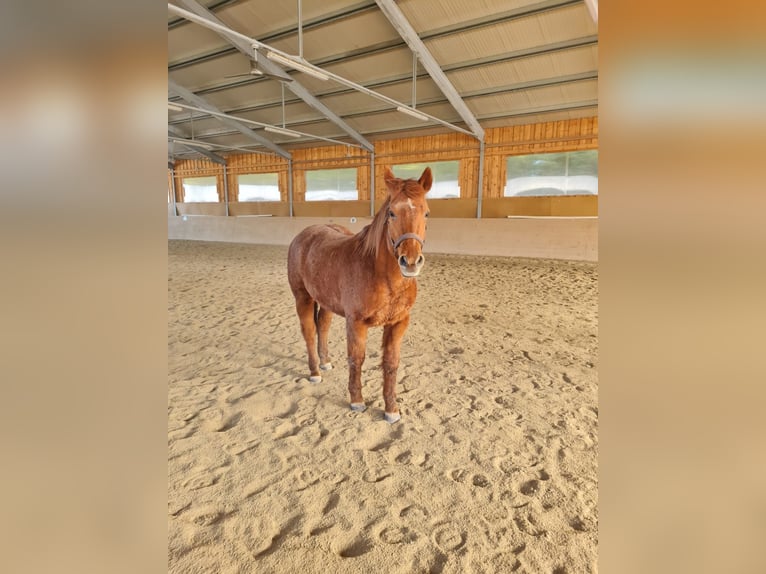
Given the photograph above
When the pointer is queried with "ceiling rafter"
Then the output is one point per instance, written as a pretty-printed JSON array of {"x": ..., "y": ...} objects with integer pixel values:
[
  {"x": 214, "y": 157},
  {"x": 500, "y": 90},
  {"x": 309, "y": 66},
  {"x": 593, "y": 9},
  {"x": 492, "y": 20},
  {"x": 200, "y": 102},
  {"x": 407, "y": 32},
  {"x": 272, "y": 68},
  {"x": 269, "y": 127},
  {"x": 567, "y": 107},
  {"x": 559, "y": 35},
  {"x": 572, "y": 44}
]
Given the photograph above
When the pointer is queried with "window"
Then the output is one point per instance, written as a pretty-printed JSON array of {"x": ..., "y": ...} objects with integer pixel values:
[
  {"x": 331, "y": 184},
  {"x": 568, "y": 173},
  {"x": 445, "y": 177},
  {"x": 201, "y": 189},
  {"x": 258, "y": 187}
]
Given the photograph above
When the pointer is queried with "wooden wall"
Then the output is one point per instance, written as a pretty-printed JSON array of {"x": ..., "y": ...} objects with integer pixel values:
[{"x": 565, "y": 135}]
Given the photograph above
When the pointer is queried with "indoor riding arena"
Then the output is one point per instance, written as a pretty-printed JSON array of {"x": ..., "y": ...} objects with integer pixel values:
[{"x": 284, "y": 115}]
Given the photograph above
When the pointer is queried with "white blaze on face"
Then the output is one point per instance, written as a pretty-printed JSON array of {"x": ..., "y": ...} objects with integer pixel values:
[{"x": 409, "y": 202}]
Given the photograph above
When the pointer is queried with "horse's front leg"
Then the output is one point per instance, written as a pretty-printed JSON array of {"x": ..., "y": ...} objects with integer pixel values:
[
  {"x": 356, "y": 336},
  {"x": 392, "y": 343}
]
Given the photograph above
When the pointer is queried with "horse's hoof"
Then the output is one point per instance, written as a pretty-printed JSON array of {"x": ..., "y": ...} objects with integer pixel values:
[
  {"x": 391, "y": 418},
  {"x": 326, "y": 366},
  {"x": 315, "y": 379},
  {"x": 358, "y": 407}
]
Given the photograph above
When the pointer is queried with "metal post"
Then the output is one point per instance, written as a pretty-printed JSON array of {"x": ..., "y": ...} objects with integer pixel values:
[
  {"x": 300, "y": 31},
  {"x": 481, "y": 178},
  {"x": 290, "y": 184},
  {"x": 372, "y": 184},
  {"x": 226, "y": 189},
  {"x": 173, "y": 186}
]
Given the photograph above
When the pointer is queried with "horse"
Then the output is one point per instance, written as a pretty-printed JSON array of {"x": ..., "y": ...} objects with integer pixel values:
[{"x": 370, "y": 278}]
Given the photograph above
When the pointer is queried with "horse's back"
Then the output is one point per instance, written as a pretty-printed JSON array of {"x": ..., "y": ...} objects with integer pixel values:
[{"x": 315, "y": 247}]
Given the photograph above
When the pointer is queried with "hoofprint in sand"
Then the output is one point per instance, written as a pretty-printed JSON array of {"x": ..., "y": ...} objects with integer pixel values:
[{"x": 492, "y": 468}]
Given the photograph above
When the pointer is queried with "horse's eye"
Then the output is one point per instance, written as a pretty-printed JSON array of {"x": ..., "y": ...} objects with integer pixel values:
[
  {"x": 392, "y": 215},
  {"x": 428, "y": 213}
]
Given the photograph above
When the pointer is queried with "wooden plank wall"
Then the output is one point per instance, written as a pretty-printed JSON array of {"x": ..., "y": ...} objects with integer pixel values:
[{"x": 565, "y": 135}]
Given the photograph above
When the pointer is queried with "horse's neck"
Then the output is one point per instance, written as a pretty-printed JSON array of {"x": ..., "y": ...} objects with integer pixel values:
[{"x": 385, "y": 262}]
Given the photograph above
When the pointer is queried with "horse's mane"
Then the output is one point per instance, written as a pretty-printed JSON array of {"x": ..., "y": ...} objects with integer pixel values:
[{"x": 370, "y": 236}]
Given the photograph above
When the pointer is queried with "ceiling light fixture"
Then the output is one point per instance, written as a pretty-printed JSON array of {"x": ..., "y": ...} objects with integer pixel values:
[
  {"x": 282, "y": 131},
  {"x": 192, "y": 143},
  {"x": 413, "y": 113},
  {"x": 174, "y": 107},
  {"x": 296, "y": 65}
]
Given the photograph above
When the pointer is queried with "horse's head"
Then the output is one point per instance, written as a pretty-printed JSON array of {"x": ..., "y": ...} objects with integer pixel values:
[{"x": 406, "y": 219}]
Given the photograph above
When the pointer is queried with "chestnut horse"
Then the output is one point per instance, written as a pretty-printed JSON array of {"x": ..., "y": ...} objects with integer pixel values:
[{"x": 368, "y": 278}]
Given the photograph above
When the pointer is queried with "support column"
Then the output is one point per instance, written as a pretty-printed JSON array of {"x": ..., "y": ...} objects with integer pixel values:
[
  {"x": 226, "y": 189},
  {"x": 481, "y": 179},
  {"x": 290, "y": 184},
  {"x": 173, "y": 186},
  {"x": 372, "y": 184}
]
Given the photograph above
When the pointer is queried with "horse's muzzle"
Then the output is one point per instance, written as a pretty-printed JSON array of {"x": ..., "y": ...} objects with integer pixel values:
[{"x": 411, "y": 269}]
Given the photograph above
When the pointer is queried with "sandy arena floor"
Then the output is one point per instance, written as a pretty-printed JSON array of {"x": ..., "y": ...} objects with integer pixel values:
[{"x": 493, "y": 467}]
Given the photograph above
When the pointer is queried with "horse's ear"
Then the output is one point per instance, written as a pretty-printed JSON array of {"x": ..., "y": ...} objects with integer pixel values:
[
  {"x": 426, "y": 179},
  {"x": 392, "y": 183}
]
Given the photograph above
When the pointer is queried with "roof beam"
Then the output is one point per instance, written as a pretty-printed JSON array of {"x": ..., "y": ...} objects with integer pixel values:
[
  {"x": 491, "y": 20},
  {"x": 499, "y": 90},
  {"x": 308, "y": 65},
  {"x": 214, "y": 157},
  {"x": 272, "y": 68},
  {"x": 593, "y": 9},
  {"x": 195, "y": 100},
  {"x": 407, "y": 32}
]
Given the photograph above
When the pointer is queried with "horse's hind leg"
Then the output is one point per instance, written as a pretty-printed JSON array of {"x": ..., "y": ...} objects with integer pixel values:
[
  {"x": 304, "y": 305},
  {"x": 324, "y": 319}
]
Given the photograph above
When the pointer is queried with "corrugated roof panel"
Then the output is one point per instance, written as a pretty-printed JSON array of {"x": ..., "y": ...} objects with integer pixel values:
[
  {"x": 431, "y": 15},
  {"x": 389, "y": 64},
  {"x": 200, "y": 125},
  {"x": 355, "y": 102},
  {"x": 252, "y": 94},
  {"x": 540, "y": 117},
  {"x": 262, "y": 18},
  {"x": 358, "y": 25},
  {"x": 527, "y": 69},
  {"x": 190, "y": 40},
  {"x": 515, "y": 102},
  {"x": 580, "y": 91},
  {"x": 528, "y": 32},
  {"x": 355, "y": 32},
  {"x": 296, "y": 111},
  {"x": 257, "y": 19},
  {"x": 211, "y": 73}
]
